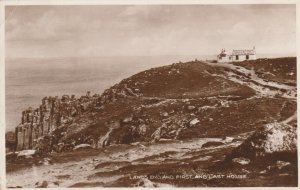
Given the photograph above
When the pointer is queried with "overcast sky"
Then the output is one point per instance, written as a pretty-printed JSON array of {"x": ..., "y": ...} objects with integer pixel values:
[{"x": 71, "y": 31}]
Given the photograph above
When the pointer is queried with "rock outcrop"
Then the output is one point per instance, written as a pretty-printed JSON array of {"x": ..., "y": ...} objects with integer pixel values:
[
  {"x": 52, "y": 113},
  {"x": 271, "y": 140}
]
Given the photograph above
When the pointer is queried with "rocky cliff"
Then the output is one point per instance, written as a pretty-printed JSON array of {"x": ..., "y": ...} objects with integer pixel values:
[{"x": 37, "y": 124}]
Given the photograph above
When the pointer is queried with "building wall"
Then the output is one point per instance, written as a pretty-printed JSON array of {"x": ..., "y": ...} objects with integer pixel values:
[
  {"x": 232, "y": 58},
  {"x": 243, "y": 58},
  {"x": 252, "y": 57},
  {"x": 224, "y": 59}
]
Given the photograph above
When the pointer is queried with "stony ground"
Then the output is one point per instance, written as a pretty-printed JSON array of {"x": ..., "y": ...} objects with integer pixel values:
[
  {"x": 119, "y": 161},
  {"x": 177, "y": 125}
]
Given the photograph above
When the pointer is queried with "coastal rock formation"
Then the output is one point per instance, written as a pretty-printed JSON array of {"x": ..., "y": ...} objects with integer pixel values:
[{"x": 52, "y": 113}]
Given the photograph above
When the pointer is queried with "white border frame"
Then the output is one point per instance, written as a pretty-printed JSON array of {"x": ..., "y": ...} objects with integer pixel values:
[{"x": 4, "y": 3}]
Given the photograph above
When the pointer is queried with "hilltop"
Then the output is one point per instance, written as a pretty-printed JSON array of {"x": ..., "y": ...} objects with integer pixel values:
[{"x": 185, "y": 118}]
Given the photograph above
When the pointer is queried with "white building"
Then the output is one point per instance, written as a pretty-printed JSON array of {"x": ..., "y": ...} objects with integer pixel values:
[{"x": 236, "y": 55}]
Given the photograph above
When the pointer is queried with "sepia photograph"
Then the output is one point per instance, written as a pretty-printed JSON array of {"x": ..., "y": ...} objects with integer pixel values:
[{"x": 150, "y": 95}]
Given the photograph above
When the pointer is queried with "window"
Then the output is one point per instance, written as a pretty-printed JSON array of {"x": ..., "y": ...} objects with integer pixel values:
[
  {"x": 236, "y": 57},
  {"x": 247, "y": 57}
]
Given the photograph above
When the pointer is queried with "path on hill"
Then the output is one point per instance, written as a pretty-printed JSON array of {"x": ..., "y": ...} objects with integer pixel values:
[
  {"x": 291, "y": 118},
  {"x": 261, "y": 86}
]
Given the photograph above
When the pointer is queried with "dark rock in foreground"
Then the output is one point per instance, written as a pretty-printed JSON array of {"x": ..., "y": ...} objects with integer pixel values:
[{"x": 211, "y": 143}]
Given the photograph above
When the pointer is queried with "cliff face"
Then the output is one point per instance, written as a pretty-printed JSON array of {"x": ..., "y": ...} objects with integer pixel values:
[{"x": 52, "y": 113}]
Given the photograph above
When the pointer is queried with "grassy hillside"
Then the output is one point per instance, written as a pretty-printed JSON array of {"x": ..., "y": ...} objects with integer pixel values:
[
  {"x": 182, "y": 101},
  {"x": 177, "y": 119},
  {"x": 282, "y": 70}
]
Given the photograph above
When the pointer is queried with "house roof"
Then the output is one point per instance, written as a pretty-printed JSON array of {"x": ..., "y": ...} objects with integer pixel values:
[
  {"x": 243, "y": 52},
  {"x": 223, "y": 53}
]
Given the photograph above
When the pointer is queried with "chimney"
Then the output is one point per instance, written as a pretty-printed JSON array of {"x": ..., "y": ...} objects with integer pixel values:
[{"x": 88, "y": 94}]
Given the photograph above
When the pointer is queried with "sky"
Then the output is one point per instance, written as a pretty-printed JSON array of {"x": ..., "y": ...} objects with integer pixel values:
[{"x": 147, "y": 30}]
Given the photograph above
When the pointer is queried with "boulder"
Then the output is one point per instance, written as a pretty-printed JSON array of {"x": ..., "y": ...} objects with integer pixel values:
[
  {"x": 273, "y": 138},
  {"x": 46, "y": 161},
  {"x": 127, "y": 120},
  {"x": 281, "y": 164},
  {"x": 10, "y": 138},
  {"x": 43, "y": 184},
  {"x": 191, "y": 107},
  {"x": 241, "y": 160},
  {"x": 263, "y": 172},
  {"x": 156, "y": 135},
  {"x": 194, "y": 121},
  {"x": 212, "y": 143},
  {"x": 164, "y": 114},
  {"x": 26, "y": 153},
  {"x": 228, "y": 139},
  {"x": 82, "y": 146},
  {"x": 278, "y": 138}
]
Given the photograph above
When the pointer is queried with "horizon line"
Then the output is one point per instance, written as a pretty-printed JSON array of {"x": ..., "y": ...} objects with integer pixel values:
[{"x": 106, "y": 56}]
